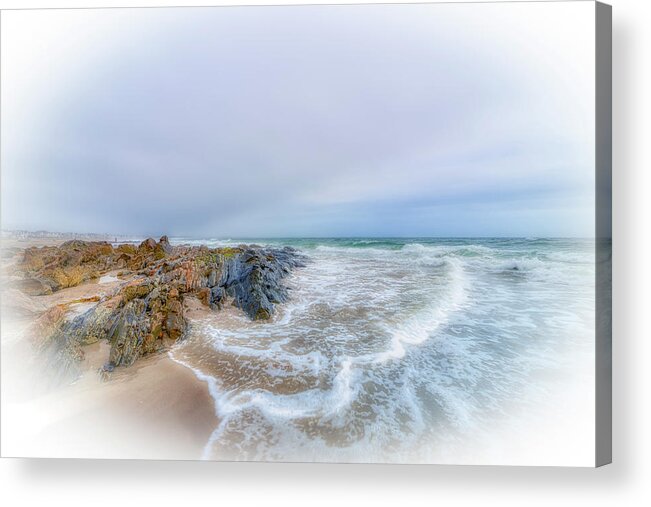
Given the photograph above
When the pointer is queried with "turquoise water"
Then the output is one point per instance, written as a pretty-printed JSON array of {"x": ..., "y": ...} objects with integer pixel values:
[{"x": 407, "y": 349}]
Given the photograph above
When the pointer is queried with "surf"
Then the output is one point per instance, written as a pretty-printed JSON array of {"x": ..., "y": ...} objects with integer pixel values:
[{"x": 375, "y": 349}]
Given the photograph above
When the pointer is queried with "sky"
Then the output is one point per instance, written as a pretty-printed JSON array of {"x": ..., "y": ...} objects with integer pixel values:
[{"x": 367, "y": 120}]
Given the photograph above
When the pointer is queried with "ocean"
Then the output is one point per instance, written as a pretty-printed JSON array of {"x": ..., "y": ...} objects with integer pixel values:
[{"x": 403, "y": 350}]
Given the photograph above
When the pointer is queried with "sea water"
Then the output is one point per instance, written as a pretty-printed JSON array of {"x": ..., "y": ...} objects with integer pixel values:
[{"x": 401, "y": 350}]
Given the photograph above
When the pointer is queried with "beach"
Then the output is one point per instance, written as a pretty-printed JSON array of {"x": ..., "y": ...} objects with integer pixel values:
[
  {"x": 155, "y": 409},
  {"x": 406, "y": 350}
]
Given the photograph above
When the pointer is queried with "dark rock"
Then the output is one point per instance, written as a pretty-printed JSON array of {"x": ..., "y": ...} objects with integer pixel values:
[
  {"x": 128, "y": 334},
  {"x": 216, "y": 296},
  {"x": 253, "y": 278},
  {"x": 164, "y": 243},
  {"x": 147, "y": 314},
  {"x": 212, "y": 278}
]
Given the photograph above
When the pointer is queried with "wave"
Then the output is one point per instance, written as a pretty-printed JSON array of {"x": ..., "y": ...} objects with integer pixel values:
[
  {"x": 351, "y": 249},
  {"x": 379, "y": 347},
  {"x": 251, "y": 345},
  {"x": 418, "y": 328}
]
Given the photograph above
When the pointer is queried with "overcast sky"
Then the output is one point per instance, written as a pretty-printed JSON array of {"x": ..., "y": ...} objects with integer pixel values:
[{"x": 431, "y": 120}]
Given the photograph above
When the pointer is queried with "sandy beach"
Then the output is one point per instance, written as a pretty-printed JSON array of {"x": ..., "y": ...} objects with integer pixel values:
[
  {"x": 156, "y": 408},
  {"x": 165, "y": 351}
]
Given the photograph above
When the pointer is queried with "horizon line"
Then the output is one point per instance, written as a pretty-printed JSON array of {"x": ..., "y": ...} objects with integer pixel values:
[{"x": 238, "y": 238}]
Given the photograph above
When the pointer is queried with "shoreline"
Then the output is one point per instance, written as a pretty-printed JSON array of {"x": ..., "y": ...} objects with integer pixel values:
[
  {"x": 158, "y": 408},
  {"x": 213, "y": 401},
  {"x": 209, "y": 382}
]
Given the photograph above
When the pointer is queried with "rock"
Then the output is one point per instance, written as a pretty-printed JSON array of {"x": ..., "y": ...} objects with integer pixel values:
[
  {"x": 175, "y": 323},
  {"x": 146, "y": 314},
  {"x": 149, "y": 245},
  {"x": 47, "y": 325},
  {"x": 49, "y": 269},
  {"x": 138, "y": 289},
  {"x": 164, "y": 243},
  {"x": 128, "y": 334},
  {"x": 105, "y": 371},
  {"x": 253, "y": 279},
  {"x": 34, "y": 286},
  {"x": 212, "y": 278},
  {"x": 204, "y": 295},
  {"x": 59, "y": 352},
  {"x": 127, "y": 249},
  {"x": 216, "y": 297}
]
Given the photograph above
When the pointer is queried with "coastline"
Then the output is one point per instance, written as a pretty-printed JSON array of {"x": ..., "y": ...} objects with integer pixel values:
[
  {"x": 310, "y": 388},
  {"x": 157, "y": 408}
]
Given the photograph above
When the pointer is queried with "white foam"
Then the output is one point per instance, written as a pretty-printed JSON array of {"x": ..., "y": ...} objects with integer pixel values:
[
  {"x": 329, "y": 404},
  {"x": 418, "y": 328},
  {"x": 362, "y": 317}
]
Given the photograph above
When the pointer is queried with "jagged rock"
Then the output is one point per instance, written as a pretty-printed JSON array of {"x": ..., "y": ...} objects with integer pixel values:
[
  {"x": 147, "y": 314},
  {"x": 127, "y": 249},
  {"x": 149, "y": 248},
  {"x": 253, "y": 278},
  {"x": 204, "y": 296},
  {"x": 175, "y": 323},
  {"x": 59, "y": 352},
  {"x": 148, "y": 245},
  {"x": 165, "y": 245},
  {"x": 48, "y": 269},
  {"x": 216, "y": 296}
]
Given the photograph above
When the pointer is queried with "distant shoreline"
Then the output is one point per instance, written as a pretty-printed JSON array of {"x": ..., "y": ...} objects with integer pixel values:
[{"x": 136, "y": 238}]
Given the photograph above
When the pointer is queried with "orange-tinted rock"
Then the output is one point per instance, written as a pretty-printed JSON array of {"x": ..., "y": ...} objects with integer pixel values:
[
  {"x": 204, "y": 296},
  {"x": 146, "y": 314}
]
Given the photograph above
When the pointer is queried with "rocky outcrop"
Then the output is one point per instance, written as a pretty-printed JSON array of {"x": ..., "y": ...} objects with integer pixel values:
[
  {"x": 59, "y": 352},
  {"x": 146, "y": 314},
  {"x": 48, "y": 269},
  {"x": 252, "y": 279}
]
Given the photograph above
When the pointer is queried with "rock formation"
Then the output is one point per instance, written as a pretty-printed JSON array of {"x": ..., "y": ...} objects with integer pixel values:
[
  {"x": 48, "y": 269},
  {"x": 146, "y": 313}
]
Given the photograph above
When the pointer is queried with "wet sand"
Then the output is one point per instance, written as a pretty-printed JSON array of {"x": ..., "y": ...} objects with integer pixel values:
[{"x": 156, "y": 409}]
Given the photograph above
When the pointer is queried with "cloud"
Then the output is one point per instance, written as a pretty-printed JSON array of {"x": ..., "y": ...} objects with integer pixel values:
[{"x": 300, "y": 121}]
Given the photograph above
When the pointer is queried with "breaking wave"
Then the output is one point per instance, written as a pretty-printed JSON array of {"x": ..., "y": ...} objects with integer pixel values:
[{"x": 390, "y": 350}]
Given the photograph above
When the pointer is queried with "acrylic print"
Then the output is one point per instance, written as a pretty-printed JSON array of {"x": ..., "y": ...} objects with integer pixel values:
[{"x": 359, "y": 233}]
